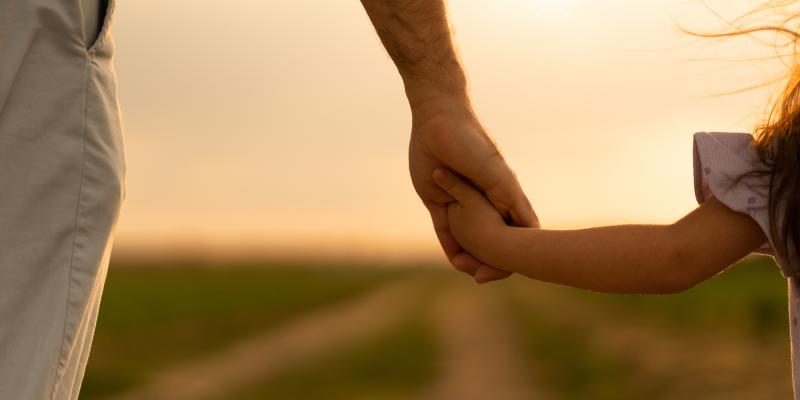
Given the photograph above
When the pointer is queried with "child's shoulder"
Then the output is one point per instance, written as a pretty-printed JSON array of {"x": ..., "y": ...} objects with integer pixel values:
[{"x": 728, "y": 167}]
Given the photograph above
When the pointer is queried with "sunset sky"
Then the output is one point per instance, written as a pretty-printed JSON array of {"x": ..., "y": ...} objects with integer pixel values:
[{"x": 282, "y": 124}]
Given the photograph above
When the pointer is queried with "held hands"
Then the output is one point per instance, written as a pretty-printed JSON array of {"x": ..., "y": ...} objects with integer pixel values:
[
  {"x": 445, "y": 132},
  {"x": 474, "y": 222},
  {"x": 447, "y": 135}
]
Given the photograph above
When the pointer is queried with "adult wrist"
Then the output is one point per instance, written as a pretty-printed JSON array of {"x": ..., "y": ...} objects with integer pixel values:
[
  {"x": 425, "y": 100},
  {"x": 440, "y": 84},
  {"x": 427, "y": 103}
]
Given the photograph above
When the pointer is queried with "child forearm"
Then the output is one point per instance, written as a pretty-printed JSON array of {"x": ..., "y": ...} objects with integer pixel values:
[
  {"x": 619, "y": 259},
  {"x": 631, "y": 258}
]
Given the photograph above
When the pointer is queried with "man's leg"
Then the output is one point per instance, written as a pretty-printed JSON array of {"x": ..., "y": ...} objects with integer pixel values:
[{"x": 61, "y": 187}]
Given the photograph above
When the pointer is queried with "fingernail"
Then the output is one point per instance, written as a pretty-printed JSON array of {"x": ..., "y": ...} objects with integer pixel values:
[{"x": 438, "y": 175}]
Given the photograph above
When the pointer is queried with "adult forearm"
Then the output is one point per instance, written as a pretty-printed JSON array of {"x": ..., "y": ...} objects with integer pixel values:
[
  {"x": 618, "y": 259},
  {"x": 417, "y": 37}
]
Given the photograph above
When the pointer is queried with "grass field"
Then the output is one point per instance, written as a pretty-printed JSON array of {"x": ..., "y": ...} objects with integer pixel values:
[
  {"x": 154, "y": 317},
  {"x": 726, "y": 338}
]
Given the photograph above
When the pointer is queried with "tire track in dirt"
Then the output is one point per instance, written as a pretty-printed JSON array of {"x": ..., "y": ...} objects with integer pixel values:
[
  {"x": 255, "y": 359},
  {"x": 721, "y": 365},
  {"x": 479, "y": 359}
]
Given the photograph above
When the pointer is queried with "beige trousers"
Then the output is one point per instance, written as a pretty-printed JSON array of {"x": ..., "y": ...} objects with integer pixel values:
[{"x": 61, "y": 187}]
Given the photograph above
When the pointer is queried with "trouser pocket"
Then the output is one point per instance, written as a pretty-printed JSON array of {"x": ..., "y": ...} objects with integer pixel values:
[{"x": 96, "y": 16}]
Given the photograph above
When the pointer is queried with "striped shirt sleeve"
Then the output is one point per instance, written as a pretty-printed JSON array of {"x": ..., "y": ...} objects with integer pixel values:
[{"x": 727, "y": 166}]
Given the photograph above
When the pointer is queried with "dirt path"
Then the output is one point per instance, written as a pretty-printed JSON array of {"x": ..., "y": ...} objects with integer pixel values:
[
  {"x": 256, "y": 358},
  {"x": 722, "y": 364},
  {"x": 478, "y": 357}
]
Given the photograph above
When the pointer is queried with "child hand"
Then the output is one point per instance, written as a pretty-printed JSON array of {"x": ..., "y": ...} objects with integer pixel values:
[{"x": 474, "y": 221}]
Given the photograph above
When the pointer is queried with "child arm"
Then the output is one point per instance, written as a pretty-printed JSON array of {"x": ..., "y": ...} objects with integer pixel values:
[{"x": 619, "y": 259}]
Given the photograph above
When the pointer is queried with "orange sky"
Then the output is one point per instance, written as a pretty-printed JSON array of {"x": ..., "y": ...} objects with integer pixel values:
[{"x": 283, "y": 123}]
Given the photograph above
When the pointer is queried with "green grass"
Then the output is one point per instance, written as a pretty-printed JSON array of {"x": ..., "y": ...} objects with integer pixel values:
[
  {"x": 749, "y": 298},
  {"x": 747, "y": 301},
  {"x": 397, "y": 364},
  {"x": 568, "y": 366},
  {"x": 154, "y": 317}
]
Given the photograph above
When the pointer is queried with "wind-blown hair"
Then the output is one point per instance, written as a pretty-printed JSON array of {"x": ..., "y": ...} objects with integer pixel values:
[{"x": 777, "y": 138}]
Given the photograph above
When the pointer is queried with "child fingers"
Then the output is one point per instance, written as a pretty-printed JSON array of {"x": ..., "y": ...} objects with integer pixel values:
[{"x": 454, "y": 186}]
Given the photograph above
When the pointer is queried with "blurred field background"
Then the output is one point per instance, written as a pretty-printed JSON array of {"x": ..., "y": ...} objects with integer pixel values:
[
  {"x": 293, "y": 331},
  {"x": 279, "y": 130}
]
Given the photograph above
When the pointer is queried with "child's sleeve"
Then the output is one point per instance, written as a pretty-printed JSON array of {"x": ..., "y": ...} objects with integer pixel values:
[{"x": 727, "y": 166}]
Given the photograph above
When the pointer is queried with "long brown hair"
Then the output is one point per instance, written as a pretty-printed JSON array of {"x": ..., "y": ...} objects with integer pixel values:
[
  {"x": 777, "y": 139},
  {"x": 778, "y": 143}
]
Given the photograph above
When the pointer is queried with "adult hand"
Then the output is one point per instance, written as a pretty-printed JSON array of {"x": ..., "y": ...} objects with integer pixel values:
[{"x": 446, "y": 133}]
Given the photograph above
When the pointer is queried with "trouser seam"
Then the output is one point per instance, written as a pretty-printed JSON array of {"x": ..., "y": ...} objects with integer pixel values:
[{"x": 61, "y": 364}]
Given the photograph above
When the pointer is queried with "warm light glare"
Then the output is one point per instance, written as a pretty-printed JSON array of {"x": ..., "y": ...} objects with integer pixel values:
[
  {"x": 286, "y": 119},
  {"x": 548, "y": 6}
]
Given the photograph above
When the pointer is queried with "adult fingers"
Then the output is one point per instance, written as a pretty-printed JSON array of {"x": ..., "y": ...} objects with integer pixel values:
[
  {"x": 466, "y": 263},
  {"x": 454, "y": 186},
  {"x": 486, "y": 273},
  {"x": 522, "y": 212},
  {"x": 455, "y": 254},
  {"x": 505, "y": 193}
]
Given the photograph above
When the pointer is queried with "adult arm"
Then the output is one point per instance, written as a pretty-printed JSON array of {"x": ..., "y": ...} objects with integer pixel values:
[{"x": 445, "y": 131}]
